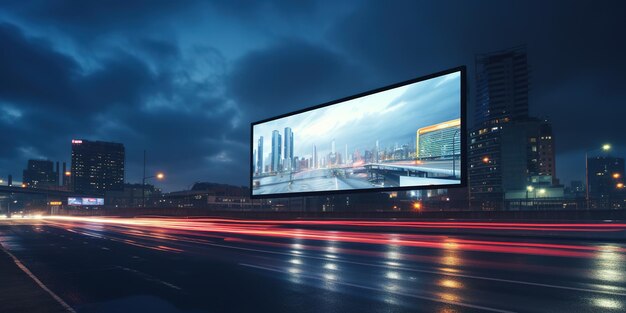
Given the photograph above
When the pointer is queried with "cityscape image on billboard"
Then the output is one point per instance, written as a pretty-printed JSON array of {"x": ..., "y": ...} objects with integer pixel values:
[
  {"x": 403, "y": 137},
  {"x": 85, "y": 201}
]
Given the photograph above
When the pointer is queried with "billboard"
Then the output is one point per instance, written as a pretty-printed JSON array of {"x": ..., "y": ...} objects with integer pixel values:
[
  {"x": 410, "y": 135},
  {"x": 85, "y": 201}
]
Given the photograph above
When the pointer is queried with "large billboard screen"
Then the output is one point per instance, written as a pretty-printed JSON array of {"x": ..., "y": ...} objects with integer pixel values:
[
  {"x": 406, "y": 136},
  {"x": 85, "y": 201}
]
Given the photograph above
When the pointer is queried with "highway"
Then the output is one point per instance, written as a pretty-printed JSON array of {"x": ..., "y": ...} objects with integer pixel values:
[
  {"x": 220, "y": 265},
  {"x": 326, "y": 179}
]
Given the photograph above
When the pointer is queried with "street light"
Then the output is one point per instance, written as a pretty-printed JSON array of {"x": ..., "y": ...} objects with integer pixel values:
[
  {"x": 605, "y": 147},
  {"x": 528, "y": 189},
  {"x": 158, "y": 176},
  {"x": 417, "y": 206},
  {"x": 620, "y": 185}
]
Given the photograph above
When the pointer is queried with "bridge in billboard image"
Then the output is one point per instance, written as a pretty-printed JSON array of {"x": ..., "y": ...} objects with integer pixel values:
[{"x": 405, "y": 136}]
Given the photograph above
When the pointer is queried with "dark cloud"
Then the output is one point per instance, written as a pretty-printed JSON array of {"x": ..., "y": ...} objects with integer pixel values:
[
  {"x": 93, "y": 20},
  {"x": 291, "y": 75},
  {"x": 46, "y": 92}
]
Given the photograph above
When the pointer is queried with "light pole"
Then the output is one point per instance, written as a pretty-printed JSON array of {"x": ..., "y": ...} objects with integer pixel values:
[
  {"x": 528, "y": 189},
  {"x": 605, "y": 147},
  {"x": 158, "y": 176}
]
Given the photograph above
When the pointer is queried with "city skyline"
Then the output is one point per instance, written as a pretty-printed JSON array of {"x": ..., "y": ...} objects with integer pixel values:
[
  {"x": 349, "y": 122},
  {"x": 187, "y": 94}
]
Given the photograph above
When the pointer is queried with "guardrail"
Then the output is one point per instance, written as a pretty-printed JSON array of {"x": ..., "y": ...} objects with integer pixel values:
[{"x": 552, "y": 215}]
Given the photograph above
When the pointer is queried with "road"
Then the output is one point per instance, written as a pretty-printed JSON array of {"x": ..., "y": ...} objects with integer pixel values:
[{"x": 217, "y": 265}]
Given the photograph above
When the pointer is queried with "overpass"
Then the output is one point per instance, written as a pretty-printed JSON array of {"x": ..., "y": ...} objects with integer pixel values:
[
  {"x": 37, "y": 191},
  {"x": 439, "y": 170}
]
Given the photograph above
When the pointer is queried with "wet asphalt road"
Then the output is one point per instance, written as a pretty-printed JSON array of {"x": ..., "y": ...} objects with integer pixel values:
[{"x": 209, "y": 265}]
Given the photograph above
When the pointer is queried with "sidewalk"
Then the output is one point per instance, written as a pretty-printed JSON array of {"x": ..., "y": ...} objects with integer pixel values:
[{"x": 20, "y": 293}]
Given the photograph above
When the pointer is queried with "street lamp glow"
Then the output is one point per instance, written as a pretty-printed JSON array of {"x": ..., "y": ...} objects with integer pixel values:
[
  {"x": 620, "y": 185},
  {"x": 417, "y": 206},
  {"x": 616, "y": 175},
  {"x": 160, "y": 175},
  {"x": 530, "y": 188},
  {"x": 542, "y": 191},
  {"x": 606, "y": 147}
]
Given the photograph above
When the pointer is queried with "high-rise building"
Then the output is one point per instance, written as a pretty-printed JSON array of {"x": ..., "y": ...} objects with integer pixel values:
[
  {"x": 605, "y": 177},
  {"x": 546, "y": 152},
  {"x": 276, "y": 150},
  {"x": 502, "y": 85},
  {"x": 97, "y": 166},
  {"x": 315, "y": 161},
  {"x": 40, "y": 174},
  {"x": 288, "y": 162},
  {"x": 508, "y": 150},
  {"x": 259, "y": 161},
  {"x": 332, "y": 157}
]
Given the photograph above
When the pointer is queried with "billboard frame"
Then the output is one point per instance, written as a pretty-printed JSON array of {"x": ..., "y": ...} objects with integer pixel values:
[{"x": 463, "y": 134}]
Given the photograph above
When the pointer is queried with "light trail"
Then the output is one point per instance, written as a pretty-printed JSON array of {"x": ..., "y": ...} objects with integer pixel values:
[{"x": 232, "y": 230}]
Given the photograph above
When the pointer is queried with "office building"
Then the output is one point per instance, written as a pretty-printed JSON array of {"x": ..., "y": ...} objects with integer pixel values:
[
  {"x": 97, "y": 166},
  {"x": 509, "y": 151},
  {"x": 276, "y": 151},
  {"x": 605, "y": 177},
  {"x": 288, "y": 161},
  {"x": 502, "y": 83},
  {"x": 40, "y": 174},
  {"x": 259, "y": 155}
]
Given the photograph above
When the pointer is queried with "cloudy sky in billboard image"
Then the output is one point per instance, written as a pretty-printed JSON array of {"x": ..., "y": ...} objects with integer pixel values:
[{"x": 391, "y": 117}]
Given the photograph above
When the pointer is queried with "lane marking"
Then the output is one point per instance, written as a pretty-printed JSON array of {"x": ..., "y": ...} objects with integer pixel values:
[
  {"x": 149, "y": 277},
  {"x": 34, "y": 278},
  {"x": 463, "y": 304}
]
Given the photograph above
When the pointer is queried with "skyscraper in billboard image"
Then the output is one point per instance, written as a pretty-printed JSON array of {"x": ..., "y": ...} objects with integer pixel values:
[{"x": 405, "y": 136}]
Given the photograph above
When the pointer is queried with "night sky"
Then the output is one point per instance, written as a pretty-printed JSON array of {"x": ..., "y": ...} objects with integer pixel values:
[{"x": 184, "y": 79}]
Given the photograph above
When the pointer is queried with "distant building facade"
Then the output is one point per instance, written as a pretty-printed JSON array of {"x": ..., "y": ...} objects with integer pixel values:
[
  {"x": 97, "y": 166},
  {"x": 606, "y": 182},
  {"x": 214, "y": 196},
  {"x": 40, "y": 174}
]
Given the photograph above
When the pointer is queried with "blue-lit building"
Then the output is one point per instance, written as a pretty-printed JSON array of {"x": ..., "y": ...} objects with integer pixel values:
[
  {"x": 259, "y": 156},
  {"x": 276, "y": 151},
  {"x": 288, "y": 161}
]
